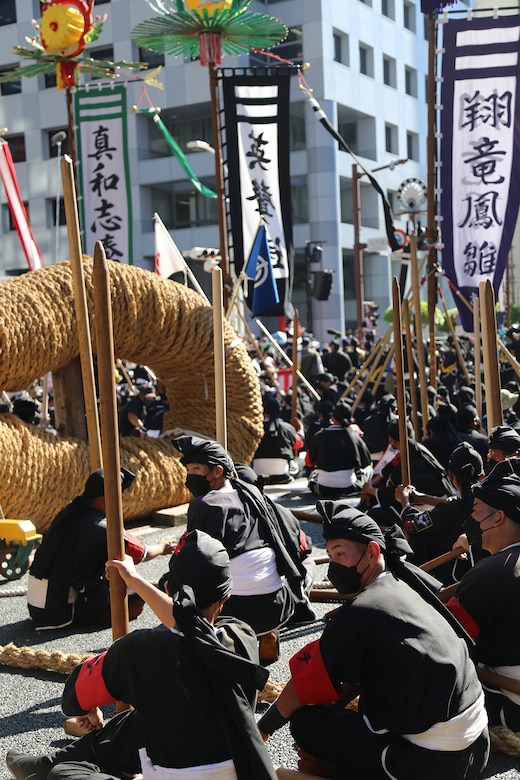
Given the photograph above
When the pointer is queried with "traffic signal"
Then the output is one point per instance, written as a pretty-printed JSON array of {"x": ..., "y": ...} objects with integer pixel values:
[{"x": 322, "y": 285}]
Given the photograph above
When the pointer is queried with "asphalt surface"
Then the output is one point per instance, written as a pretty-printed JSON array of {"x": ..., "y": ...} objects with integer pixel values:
[{"x": 30, "y": 715}]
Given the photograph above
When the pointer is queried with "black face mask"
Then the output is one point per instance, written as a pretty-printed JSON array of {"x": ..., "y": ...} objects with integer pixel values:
[
  {"x": 197, "y": 484},
  {"x": 346, "y": 579}
]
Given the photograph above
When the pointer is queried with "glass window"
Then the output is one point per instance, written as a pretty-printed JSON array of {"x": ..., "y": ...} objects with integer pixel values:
[
  {"x": 17, "y": 147},
  {"x": 366, "y": 60},
  {"x": 290, "y": 49},
  {"x": 409, "y": 16},
  {"x": 180, "y": 205},
  {"x": 299, "y": 200},
  {"x": 388, "y": 8},
  {"x": 391, "y": 138},
  {"x": 389, "y": 72},
  {"x": 10, "y": 87},
  {"x": 51, "y": 212},
  {"x": 153, "y": 58},
  {"x": 191, "y": 123},
  {"x": 410, "y": 81},
  {"x": 341, "y": 47},
  {"x": 7, "y": 12},
  {"x": 7, "y": 218},
  {"x": 412, "y": 146},
  {"x": 50, "y": 80},
  {"x": 105, "y": 53}
]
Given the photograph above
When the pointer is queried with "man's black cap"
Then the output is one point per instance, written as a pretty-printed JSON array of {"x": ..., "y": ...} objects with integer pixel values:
[
  {"x": 197, "y": 450},
  {"x": 95, "y": 484}
]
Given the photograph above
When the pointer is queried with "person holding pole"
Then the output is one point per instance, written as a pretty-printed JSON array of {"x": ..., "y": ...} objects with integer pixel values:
[{"x": 192, "y": 682}]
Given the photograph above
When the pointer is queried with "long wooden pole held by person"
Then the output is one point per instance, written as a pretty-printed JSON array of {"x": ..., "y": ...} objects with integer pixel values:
[
  {"x": 476, "y": 356},
  {"x": 409, "y": 358},
  {"x": 423, "y": 384},
  {"x": 294, "y": 396},
  {"x": 82, "y": 319},
  {"x": 373, "y": 357},
  {"x": 399, "y": 383},
  {"x": 287, "y": 360},
  {"x": 110, "y": 440},
  {"x": 490, "y": 353},
  {"x": 220, "y": 363}
]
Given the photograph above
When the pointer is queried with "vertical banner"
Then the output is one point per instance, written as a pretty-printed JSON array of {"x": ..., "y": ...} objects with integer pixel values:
[
  {"x": 480, "y": 151},
  {"x": 257, "y": 135},
  {"x": 103, "y": 171}
]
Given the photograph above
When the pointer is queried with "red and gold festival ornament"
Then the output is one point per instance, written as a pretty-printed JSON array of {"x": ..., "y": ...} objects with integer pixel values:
[{"x": 65, "y": 28}]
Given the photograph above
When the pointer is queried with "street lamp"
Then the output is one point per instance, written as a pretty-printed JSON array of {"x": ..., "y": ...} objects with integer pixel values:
[{"x": 358, "y": 246}]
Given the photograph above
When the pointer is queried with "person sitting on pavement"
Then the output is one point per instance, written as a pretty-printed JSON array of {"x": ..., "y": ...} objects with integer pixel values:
[
  {"x": 434, "y": 531},
  {"x": 275, "y": 455},
  {"x": 487, "y": 599},
  {"x": 132, "y": 415},
  {"x": 192, "y": 683},
  {"x": 342, "y": 459},
  {"x": 421, "y": 708},
  {"x": 236, "y": 514},
  {"x": 426, "y": 474},
  {"x": 67, "y": 584},
  {"x": 504, "y": 442}
]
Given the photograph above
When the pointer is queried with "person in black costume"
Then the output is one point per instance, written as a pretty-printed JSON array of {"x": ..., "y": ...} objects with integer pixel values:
[
  {"x": 192, "y": 683},
  {"x": 421, "y": 708}
]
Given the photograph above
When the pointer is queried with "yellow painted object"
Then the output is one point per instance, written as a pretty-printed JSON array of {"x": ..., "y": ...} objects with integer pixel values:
[
  {"x": 19, "y": 531},
  {"x": 20, "y": 536}
]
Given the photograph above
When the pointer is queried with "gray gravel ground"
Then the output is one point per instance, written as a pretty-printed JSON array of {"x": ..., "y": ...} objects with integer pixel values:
[{"x": 30, "y": 716}]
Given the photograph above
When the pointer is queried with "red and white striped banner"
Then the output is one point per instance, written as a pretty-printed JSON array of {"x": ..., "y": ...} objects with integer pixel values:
[{"x": 18, "y": 212}]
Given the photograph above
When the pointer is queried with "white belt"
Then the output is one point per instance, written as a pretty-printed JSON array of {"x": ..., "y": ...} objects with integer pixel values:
[{"x": 223, "y": 770}]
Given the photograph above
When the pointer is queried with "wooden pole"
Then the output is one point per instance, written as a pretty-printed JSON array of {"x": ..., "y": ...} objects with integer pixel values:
[
  {"x": 409, "y": 356},
  {"x": 220, "y": 364},
  {"x": 431, "y": 230},
  {"x": 82, "y": 318},
  {"x": 455, "y": 339},
  {"x": 423, "y": 385},
  {"x": 476, "y": 356},
  {"x": 399, "y": 383},
  {"x": 287, "y": 360},
  {"x": 490, "y": 352},
  {"x": 383, "y": 369},
  {"x": 111, "y": 456},
  {"x": 371, "y": 358},
  {"x": 294, "y": 396}
]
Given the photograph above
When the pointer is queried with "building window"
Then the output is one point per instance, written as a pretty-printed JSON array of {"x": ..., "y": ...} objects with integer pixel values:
[
  {"x": 17, "y": 147},
  {"x": 7, "y": 218},
  {"x": 348, "y": 131},
  {"x": 409, "y": 16},
  {"x": 366, "y": 60},
  {"x": 410, "y": 81},
  {"x": 181, "y": 206},
  {"x": 50, "y": 80},
  {"x": 183, "y": 127},
  {"x": 152, "y": 58},
  {"x": 299, "y": 200},
  {"x": 349, "y": 276},
  {"x": 297, "y": 133},
  {"x": 388, "y": 8},
  {"x": 104, "y": 54},
  {"x": 341, "y": 53},
  {"x": 51, "y": 212},
  {"x": 7, "y": 12},
  {"x": 389, "y": 72},
  {"x": 10, "y": 87},
  {"x": 290, "y": 49},
  {"x": 52, "y": 147},
  {"x": 367, "y": 2},
  {"x": 412, "y": 146},
  {"x": 391, "y": 138}
]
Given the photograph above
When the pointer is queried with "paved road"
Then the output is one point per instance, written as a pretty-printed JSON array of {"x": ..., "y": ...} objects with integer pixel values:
[{"x": 30, "y": 718}]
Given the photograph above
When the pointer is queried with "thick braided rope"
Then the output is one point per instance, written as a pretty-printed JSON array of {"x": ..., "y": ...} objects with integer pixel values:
[
  {"x": 65, "y": 663},
  {"x": 503, "y": 740},
  {"x": 156, "y": 322}
]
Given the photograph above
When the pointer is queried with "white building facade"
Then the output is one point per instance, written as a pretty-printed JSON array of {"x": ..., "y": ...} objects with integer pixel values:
[{"x": 368, "y": 70}]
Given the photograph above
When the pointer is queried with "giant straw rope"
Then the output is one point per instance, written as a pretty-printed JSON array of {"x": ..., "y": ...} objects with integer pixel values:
[{"x": 156, "y": 322}]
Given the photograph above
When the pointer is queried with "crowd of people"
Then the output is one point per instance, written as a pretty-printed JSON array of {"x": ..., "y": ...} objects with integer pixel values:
[{"x": 395, "y": 685}]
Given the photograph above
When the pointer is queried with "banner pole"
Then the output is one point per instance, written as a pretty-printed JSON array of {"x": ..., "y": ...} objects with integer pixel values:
[{"x": 220, "y": 369}]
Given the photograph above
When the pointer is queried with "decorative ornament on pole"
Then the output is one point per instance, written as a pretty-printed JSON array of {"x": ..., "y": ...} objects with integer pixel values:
[{"x": 412, "y": 195}]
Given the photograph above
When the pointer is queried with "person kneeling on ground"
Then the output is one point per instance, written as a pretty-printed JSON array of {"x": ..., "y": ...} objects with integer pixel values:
[
  {"x": 67, "y": 584},
  {"x": 421, "y": 708},
  {"x": 192, "y": 682}
]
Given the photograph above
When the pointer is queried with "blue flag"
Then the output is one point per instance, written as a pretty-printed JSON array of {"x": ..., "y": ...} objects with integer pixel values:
[{"x": 259, "y": 268}]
